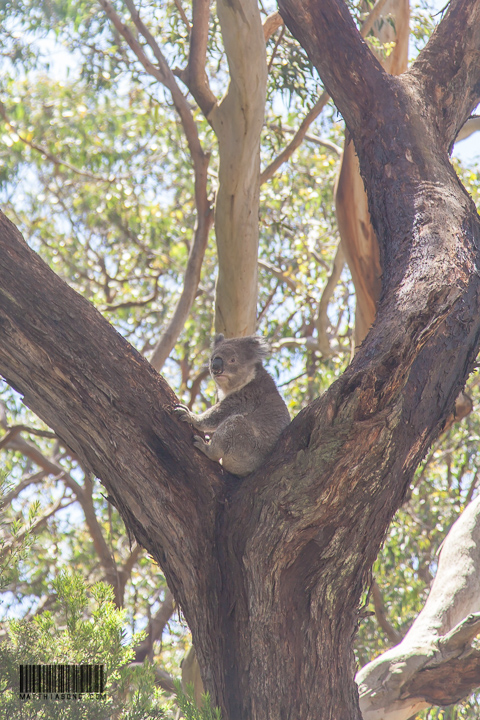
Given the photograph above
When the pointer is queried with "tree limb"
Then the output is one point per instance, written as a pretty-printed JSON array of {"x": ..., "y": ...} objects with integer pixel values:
[
  {"x": 321, "y": 319},
  {"x": 156, "y": 626},
  {"x": 471, "y": 126},
  {"x": 200, "y": 160},
  {"x": 25, "y": 482},
  {"x": 448, "y": 73},
  {"x": 434, "y": 663},
  {"x": 181, "y": 11},
  {"x": 191, "y": 280},
  {"x": 381, "y": 615},
  {"x": 300, "y": 134},
  {"x": 312, "y": 115},
  {"x": 237, "y": 121},
  {"x": 271, "y": 24},
  {"x": 194, "y": 76},
  {"x": 160, "y": 72}
]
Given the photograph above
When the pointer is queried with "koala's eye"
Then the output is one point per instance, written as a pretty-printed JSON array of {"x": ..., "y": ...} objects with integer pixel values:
[{"x": 232, "y": 360}]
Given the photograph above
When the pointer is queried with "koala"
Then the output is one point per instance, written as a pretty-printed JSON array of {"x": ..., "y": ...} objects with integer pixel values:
[{"x": 246, "y": 422}]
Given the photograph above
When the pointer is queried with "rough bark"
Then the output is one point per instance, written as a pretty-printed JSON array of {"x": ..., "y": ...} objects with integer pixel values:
[
  {"x": 237, "y": 122},
  {"x": 356, "y": 232},
  {"x": 285, "y": 553},
  {"x": 434, "y": 663}
]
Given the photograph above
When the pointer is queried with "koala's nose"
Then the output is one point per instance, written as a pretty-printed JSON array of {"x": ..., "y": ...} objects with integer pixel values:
[{"x": 217, "y": 366}]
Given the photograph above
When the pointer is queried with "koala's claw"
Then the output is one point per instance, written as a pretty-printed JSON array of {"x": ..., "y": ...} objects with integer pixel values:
[{"x": 182, "y": 412}]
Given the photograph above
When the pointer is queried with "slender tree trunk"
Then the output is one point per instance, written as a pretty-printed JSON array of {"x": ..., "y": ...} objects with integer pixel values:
[{"x": 238, "y": 122}]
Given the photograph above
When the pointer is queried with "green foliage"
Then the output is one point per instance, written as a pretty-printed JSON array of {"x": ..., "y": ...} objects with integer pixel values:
[
  {"x": 88, "y": 628},
  {"x": 190, "y": 710},
  {"x": 14, "y": 549}
]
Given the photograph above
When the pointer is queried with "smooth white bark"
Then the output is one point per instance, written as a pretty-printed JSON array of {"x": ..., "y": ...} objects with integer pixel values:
[
  {"x": 443, "y": 630},
  {"x": 237, "y": 122}
]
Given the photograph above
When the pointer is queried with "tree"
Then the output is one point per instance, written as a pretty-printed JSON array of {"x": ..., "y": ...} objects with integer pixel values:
[
  {"x": 434, "y": 663},
  {"x": 288, "y": 551}
]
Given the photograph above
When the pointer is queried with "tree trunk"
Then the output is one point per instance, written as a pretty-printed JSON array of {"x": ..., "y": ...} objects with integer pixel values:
[
  {"x": 269, "y": 570},
  {"x": 434, "y": 663},
  {"x": 237, "y": 122},
  {"x": 351, "y": 204}
]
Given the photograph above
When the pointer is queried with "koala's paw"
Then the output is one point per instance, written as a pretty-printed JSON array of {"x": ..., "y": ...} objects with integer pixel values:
[
  {"x": 183, "y": 413},
  {"x": 200, "y": 443}
]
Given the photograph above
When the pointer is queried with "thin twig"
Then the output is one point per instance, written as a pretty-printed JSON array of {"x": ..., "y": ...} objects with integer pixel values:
[
  {"x": 182, "y": 14},
  {"x": 321, "y": 321},
  {"x": 312, "y": 115},
  {"x": 135, "y": 303},
  {"x": 277, "y": 43},
  {"x": 280, "y": 274}
]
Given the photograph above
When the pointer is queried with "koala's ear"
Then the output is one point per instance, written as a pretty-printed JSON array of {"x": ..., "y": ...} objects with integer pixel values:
[
  {"x": 259, "y": 346},
  {"x": 218, "y": 339}
]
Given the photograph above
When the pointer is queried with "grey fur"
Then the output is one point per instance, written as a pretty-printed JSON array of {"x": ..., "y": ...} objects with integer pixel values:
[{"x": 246, "y": 422}]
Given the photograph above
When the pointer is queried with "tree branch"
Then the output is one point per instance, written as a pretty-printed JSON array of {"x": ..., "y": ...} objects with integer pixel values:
[
  {"x": 35, "y": 526},
  {"x": 448, "y": 69},
  {"x": 321, "y": 320},
  {"x": 25, "y": 482},
  {"x": 471, "y": 126},
  {"x": 160, "y": 72},
  {"x": 181, "y": 11},
  {"x": 156, "y": 626},
  {"x": 312, "y": 115},
  {"x": 271, "y": 24},
  {"x": 200, "y": 160},
  {"x": 190, "y": 286},
  {"x": 354, "y": 86},
  {"x": 300, "y": 134},
  {"x": 147, "y": 454},
  {"x": 381, "y": 615},
  {"x": 194, "y": 76},
  {"x": 104, "y": 553},
  {"x": 434, "y": 663}
]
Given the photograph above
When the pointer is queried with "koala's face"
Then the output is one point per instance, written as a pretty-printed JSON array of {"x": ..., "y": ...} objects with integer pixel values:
[{"x": 233, "y": 362}]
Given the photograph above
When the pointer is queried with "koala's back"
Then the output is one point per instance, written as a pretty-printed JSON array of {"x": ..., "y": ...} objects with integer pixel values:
[{"x": 256, "y": 415}]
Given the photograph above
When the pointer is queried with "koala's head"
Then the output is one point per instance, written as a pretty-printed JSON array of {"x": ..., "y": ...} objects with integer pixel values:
[{"x": 234, "y": 362}]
